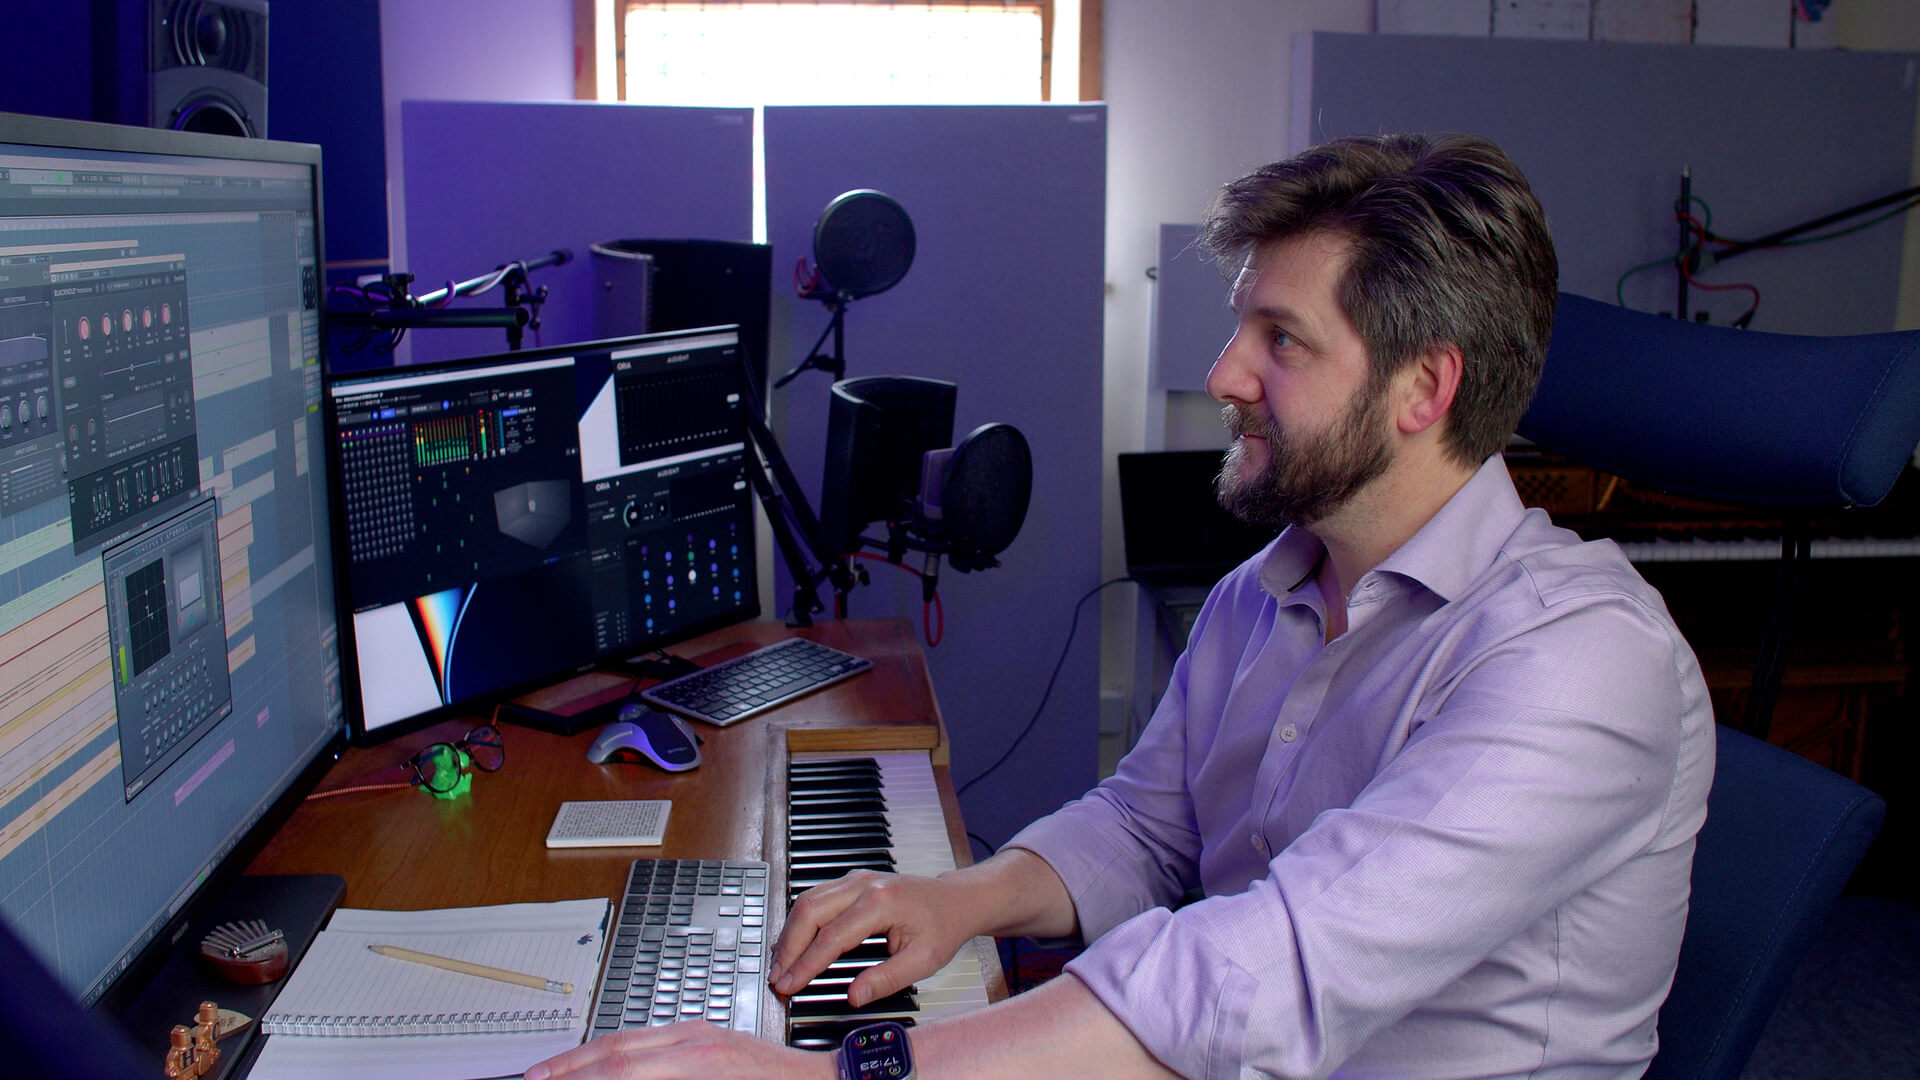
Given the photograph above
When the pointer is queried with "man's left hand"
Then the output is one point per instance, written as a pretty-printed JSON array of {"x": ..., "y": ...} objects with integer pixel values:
[{"x": 695, "y": 1050}]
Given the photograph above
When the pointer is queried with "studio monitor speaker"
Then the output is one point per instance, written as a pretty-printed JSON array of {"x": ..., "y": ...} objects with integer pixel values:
[{"x": 207, "y": 66}]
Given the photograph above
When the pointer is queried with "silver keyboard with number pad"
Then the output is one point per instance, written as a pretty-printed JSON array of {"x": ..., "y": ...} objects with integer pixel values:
[{"x": 690, "y": 944}]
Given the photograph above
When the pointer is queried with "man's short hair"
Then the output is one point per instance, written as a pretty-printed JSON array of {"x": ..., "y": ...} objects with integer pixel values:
[{"x": 1448, "y": 245}]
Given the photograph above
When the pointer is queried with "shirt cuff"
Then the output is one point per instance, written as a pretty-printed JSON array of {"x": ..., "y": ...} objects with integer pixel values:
[{"x": 1186, "y": 1001}]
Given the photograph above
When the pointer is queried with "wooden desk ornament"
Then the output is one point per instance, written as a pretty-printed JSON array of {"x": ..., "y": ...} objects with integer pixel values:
[
  {"x": 247, "y": 953},
  {"x": 191, "y": 1053}
]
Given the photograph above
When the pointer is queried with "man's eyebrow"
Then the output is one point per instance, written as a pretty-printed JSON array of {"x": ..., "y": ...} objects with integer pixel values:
[{"x": 1285, "y": 316}]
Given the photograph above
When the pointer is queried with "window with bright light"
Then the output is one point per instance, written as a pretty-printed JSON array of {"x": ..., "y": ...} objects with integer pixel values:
[{"x": 686, "y": 53}]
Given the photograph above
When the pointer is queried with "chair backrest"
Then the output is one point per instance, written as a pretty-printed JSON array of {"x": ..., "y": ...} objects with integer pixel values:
[
  {"x": 1734, "y": 415},
  {"x": 1781, "y": 837}
]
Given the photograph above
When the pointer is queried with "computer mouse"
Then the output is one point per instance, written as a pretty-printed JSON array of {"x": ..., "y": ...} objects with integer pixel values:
[{"x": 661, "y": 738}]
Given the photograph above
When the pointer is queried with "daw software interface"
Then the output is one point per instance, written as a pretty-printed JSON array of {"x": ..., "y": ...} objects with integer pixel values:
[
  {"x": 168, "y": 652},
  {"x": 514, "y": 517}
]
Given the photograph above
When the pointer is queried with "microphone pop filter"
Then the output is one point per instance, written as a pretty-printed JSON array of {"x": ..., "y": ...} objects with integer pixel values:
[
  {"x": 988, "y": 486},
  {"x": 863, "y": 243}
]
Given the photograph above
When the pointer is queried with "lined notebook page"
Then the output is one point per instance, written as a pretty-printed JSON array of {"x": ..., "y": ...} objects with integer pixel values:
[{"x": 341, "y": 988}]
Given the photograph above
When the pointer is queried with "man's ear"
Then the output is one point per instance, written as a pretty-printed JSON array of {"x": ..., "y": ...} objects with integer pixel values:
[{"x": 1427, "y": 387}]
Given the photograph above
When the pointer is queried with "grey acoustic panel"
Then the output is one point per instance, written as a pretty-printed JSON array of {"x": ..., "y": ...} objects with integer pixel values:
[
  {"x": 1191, "y": 320},
  {"x": 1005, "y": 299},
  {"x": 1774, "y": 137},
  {"x": 489, "y": 183}
]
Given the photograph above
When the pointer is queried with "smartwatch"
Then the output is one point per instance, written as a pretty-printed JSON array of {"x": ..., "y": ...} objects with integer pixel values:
[{"x": 876, "y": 1052}]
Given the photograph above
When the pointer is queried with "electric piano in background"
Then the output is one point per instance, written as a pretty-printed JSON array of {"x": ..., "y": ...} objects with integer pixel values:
[{"x": 1847, "y": 666}]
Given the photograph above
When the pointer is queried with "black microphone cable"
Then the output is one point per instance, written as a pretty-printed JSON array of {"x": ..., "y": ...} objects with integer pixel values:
[{"x": 1064, "y": 649}]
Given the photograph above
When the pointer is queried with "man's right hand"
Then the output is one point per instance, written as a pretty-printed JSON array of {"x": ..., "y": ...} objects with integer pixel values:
[{"x": 924, "y": 920}]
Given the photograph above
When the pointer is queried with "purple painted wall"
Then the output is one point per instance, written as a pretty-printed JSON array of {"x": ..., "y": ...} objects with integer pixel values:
[
  {"x": 490, "y": 183},
  {"x": 1005, "y": 299},
  {"x": 465, "y": 50}
]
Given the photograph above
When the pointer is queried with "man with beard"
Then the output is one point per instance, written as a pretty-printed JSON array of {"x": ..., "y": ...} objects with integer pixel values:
[{"x": 1433, "y": 766}]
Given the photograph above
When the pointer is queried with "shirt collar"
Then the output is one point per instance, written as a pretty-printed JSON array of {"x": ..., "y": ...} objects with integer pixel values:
[
  {"x": 1462, "y": 540},
  {"x": 1291, "y": 562},
  {"x": 1446, "y": 555}
]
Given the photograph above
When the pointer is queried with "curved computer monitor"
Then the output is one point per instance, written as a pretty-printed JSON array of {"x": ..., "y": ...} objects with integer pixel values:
[
  {"x": 169, "y": 658},
  {"x": 509, "y": 520}
]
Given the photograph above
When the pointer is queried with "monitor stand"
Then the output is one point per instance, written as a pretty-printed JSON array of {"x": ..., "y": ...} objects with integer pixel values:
[
  {"x": 662, "y": 666},
  {"x": 297, "y": 905},
  {"x": 599, "y": 704},
  {"x": 511, "y": 712}
]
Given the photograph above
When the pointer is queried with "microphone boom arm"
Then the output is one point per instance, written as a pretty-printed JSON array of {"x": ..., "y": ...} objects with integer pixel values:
[
  {"x": 401, "y": 311},
  {"x": 796, "y": 529}
]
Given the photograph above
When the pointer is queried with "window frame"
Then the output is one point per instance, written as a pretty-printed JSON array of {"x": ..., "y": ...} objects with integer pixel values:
[{"x": 587, "y": 48}]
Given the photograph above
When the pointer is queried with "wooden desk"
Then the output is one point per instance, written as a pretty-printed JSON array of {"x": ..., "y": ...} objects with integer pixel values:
[{"x": 401, "y": 849}]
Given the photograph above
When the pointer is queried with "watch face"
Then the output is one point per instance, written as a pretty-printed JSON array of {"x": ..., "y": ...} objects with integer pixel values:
[{"x": 879, "y": 1052}]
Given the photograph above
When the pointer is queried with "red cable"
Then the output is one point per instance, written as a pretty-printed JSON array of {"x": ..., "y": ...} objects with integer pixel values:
[
  {"x": 805, "y": 278},
  {"x": 1701, "y": 230},
  {"x": 931, "y": 608},
  {"x": 1698, "y": 284},
  {"x": 933, "y": 636},
  {"x": 889, "y": 562}
]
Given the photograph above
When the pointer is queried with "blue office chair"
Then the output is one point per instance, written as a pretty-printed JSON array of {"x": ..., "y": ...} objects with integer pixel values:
[
  {"x": 1798, "y": 423},
  {"x": 1782, "y": 836}
]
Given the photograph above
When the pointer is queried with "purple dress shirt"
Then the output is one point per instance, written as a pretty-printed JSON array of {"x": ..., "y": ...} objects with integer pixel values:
[{"x": 1454, "y": 842}]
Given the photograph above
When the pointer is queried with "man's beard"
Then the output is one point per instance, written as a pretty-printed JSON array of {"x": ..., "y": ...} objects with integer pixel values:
[{"x": 1305, "y": 479}]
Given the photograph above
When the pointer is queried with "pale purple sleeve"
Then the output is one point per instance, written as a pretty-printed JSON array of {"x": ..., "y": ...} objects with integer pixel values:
[
  {"x": 1551, "y": 763},
  {"x": 1133, "y": 843}
]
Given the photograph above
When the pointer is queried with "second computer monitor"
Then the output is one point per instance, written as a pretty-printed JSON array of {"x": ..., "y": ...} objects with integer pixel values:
[{"x": 514, "y": 518}]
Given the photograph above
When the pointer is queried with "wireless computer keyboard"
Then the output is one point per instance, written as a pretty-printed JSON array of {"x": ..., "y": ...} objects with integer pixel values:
[{"x": 735, "y": 689}]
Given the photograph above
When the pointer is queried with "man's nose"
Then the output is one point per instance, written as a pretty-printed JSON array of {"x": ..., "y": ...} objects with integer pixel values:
[{"x": 1233, "y": 380}]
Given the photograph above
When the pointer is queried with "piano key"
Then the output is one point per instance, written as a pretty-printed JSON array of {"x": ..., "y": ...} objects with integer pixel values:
[
  {"x": 800, "y": 879},
  {"x": 829, "y": 1034},
  {"x": 833, "y": 767},
  {"x": 865, "y": 782},
  {"x": 825, "y": 817},
  {"x": 807, "y": 806},
  {"x": 1758, "y": 549},
  {"x": 825, "y": 839},
  {"x": 873, "y": 948},
  {"x": 846, "y": 967},
  {"x": 877, "y": 821},
  {"x": 835, "y": 1004}
]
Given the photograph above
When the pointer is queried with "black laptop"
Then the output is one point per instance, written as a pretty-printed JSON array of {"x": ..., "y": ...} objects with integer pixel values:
[{"x": 1179, "y": 541}]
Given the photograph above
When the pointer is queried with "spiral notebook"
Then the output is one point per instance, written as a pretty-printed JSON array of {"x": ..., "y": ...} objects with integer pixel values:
[{"x": 343, "y": 989}]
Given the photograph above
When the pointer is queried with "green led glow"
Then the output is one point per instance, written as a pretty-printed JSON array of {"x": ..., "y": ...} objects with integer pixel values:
[
  {"x": 461, "y": 787},
  {"x": 447, "y": 774}
]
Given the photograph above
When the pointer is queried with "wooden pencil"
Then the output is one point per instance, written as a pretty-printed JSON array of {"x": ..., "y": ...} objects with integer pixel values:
[{"x": 466, "y": 968}]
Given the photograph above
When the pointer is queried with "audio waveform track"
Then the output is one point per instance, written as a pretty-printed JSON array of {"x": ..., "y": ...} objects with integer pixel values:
[{"x": 376, "y": 467}]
